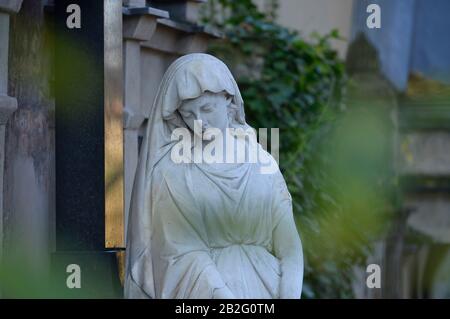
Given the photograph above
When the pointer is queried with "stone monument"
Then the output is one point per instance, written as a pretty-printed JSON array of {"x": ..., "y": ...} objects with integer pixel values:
[{"x": 199, "y": 229}]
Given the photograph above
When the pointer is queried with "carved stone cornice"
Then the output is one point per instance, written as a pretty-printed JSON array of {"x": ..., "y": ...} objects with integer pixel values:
[{"x": 140, "y": 23}]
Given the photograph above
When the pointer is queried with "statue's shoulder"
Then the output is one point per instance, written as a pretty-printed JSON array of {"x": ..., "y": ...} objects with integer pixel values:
[
  {"x": 267, "y": 165},
  {"x": 269, "y": 168},
  {"x": 280, "y": 186}
]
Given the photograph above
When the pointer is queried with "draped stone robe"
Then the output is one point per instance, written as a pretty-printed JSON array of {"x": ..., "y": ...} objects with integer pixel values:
[
  {"x": 214, "y": 228},
  {"x": 207, "y": 231}
]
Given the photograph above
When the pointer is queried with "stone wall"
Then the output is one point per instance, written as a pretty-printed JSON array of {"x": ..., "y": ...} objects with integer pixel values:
[
  {"x": 152, "y": 41},
  {"x": 8, "y": 104},
  {"x": 29, "y": 144}
]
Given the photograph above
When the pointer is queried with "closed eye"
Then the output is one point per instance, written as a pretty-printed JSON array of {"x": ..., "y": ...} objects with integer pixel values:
[
  {"x": 186, "y": 115},
  {"x": 207, "y": 108}
]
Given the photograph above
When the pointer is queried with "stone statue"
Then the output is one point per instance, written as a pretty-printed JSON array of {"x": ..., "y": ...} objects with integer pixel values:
[{"x": 207, "y": 230}]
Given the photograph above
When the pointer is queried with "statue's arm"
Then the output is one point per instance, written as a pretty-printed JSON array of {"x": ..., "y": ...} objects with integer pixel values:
[
  {"x": 288, "y": 249},
  {"x": 178, "y": 235}
]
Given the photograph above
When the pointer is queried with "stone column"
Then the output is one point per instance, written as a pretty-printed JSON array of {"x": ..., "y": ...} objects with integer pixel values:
[{"x": 7, "y": 104}]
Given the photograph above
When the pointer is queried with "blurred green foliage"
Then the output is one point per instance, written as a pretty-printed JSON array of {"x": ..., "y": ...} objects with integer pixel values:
[{"x": 335, "y": 176}]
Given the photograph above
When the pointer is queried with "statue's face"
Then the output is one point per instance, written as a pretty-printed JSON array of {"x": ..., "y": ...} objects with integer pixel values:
[{"x": 210, "y": 108}]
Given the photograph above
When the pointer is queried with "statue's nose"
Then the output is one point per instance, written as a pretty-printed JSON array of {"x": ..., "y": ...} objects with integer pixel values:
[{"x": 198, "y": 117}]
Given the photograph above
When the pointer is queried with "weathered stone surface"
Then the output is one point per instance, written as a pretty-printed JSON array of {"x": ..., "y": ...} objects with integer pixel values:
[
  {"x": 430, "y": 216},
  {"x": 425, "y": 153},
  {"x": 29, "y": 142},
  {"x": 140, "y": 24}
]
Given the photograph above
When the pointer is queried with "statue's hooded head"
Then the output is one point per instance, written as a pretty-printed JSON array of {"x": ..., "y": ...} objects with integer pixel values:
[{"x": 200, "y": 87}]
